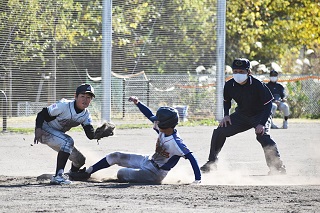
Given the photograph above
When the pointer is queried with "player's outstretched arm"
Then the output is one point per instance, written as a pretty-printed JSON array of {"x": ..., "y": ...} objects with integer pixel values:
[
  {"x": 142, "y": 107},
  {"x": 133, "y": 99},
  {"x": 195, "y": 167}
]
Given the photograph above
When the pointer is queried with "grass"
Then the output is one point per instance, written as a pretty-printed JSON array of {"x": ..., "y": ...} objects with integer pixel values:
[
  {"x": 22, "y": 127},
  {"x": 25, "y": 125}
]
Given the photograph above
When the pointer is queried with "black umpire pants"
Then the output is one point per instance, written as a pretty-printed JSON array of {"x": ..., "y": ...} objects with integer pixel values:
[{"x": 241, "y": 123}]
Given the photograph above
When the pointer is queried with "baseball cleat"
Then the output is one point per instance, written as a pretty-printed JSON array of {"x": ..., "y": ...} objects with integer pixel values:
[
  {"x": 80, "y": 175},
  {"x": 285, "y": 125},
  {"x": 280, "y": 171},
  {"x": 59, "y": 180},
  {"x": 207, "y": 167}
]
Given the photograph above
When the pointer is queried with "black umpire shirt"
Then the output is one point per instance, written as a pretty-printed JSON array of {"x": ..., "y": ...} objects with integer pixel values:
[
  {"x": 251, "y": 98},
  {"x": 276, "y": 89}
]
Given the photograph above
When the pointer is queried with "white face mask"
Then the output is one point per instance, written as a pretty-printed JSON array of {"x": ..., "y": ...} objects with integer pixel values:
[
  {"x": 239, "y": 78},
  {"x": 273, "y": 79}
]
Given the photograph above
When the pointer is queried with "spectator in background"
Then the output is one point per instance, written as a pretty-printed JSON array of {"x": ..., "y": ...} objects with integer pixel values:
[{"x": 279, "y": 101}]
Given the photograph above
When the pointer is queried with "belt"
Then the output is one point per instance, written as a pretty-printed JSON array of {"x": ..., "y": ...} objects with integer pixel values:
[{"x": 155, "y": 164}]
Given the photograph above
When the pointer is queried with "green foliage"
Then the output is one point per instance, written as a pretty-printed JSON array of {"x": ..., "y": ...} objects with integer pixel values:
[
  {"x": 156, "y": 36},
  {"x": 280, "y": 25},
  {"x": 182, "y": 31},
  {"x": 296, "y": 99},
  {"x": 165, "y": 36},
  {"x": 203, "y": 122}
]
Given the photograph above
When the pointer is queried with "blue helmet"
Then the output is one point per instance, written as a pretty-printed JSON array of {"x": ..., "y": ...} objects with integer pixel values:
[{"x": 168, "y": 117}]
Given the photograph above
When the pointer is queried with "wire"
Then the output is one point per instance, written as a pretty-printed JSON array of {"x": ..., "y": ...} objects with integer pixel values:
[
  {"x": 150, "y": 32},
  {"x": 9, "y": 36}
]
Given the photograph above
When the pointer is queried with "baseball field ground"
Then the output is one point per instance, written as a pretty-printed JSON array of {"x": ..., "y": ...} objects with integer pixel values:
[{"x": 240, "y": 184}]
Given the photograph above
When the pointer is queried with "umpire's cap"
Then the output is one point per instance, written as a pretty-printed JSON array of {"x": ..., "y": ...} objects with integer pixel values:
[
  {"x": 168, "y": 117},
  {"x": 273, "y": 73},
  {"x": 241, "y": 64},
  {"x": 85, "y": 88}
]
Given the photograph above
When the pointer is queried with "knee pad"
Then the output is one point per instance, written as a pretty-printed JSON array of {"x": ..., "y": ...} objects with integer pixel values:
[{"x": 68, "y": 145}]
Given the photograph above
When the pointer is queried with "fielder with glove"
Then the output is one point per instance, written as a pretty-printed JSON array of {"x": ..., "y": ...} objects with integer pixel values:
[
  {"x": 54, "y": 121},
  {"x": 149, "y": 168}
]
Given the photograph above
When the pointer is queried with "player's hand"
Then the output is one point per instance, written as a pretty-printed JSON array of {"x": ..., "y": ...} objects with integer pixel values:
[
  {"x": 259, "y": 129},
  {"x": 133, "y": 99},
  {"x": 37, "y": 136},
  {"x": 196, "y": 182},
  {"x": 224, "y": 122}
]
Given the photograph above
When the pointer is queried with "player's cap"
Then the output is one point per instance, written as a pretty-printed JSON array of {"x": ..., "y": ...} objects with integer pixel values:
[
  {"x": 241, "y": 64},
  {"x": 168, "y": 117},
  {"x": 85, "y": 88},
  {"x": 273, "y": 73}
]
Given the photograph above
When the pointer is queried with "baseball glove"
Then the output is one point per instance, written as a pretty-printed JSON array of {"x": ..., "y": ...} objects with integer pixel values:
[{"x": 105, "y": 130}]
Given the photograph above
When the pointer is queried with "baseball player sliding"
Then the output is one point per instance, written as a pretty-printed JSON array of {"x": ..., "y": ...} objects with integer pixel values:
[{"x": 154, "y": 168}]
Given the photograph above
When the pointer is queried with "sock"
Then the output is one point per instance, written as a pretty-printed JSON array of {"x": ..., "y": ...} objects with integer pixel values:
[
  {"x": 74, "y": 168},
  {"x": 286, "y": 118},
  {"x": 62, "y": 159},
  {"x": 102, "y": 164},
  {"x": 60, "y": 172}
]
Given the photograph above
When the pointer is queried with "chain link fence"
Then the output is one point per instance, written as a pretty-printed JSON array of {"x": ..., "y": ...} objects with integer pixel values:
[
  {"x": 193, "y": 96},
  {"x": 197, "y": 93}
]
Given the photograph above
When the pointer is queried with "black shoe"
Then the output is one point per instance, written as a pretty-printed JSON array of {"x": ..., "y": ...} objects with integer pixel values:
[
  {"x": 79, "y": 175},
  {"x": 278, "y": 171},
  {"x": 207, "y": 167}
]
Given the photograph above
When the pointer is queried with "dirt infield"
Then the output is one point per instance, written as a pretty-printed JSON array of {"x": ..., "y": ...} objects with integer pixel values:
[{"x": 239, "y": 185}]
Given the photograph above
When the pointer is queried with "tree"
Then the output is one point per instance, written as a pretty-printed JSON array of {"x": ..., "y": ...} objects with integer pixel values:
[{"x": 280, "y": 25}]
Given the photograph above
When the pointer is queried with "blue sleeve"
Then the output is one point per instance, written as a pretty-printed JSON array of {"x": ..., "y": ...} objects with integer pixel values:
[
  {"x": 145, "y": 110},
  {"x": 195, "y": 166}
]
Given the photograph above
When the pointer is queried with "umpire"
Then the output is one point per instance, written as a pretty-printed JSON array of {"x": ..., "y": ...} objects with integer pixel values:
[{"x": 254, "y": 102}]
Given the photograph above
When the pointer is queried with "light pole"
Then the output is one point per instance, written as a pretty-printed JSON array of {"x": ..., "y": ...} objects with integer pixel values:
[
  {"x": 221, "y": 49},
  {"x": 106, "y": 60}
]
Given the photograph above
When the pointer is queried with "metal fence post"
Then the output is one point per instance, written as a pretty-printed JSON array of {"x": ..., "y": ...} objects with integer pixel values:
[
  {"x": 123, "y": 98},
  {"x": 4, "y": 112}
]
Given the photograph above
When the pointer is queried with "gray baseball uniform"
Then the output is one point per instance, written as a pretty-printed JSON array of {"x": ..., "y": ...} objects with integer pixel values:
[{"x": 66, "y": 118}]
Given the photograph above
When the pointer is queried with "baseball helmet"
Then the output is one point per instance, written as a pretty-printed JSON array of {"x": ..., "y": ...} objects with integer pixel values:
[
  {"x": 85, "y": 88},
  {"x": 168, "y": 117},
  {"x": 241, "y": 64},
  {"x": 273, "y": 73}
]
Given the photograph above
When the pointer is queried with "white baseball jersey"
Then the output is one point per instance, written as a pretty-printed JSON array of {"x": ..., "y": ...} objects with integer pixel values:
[
  {"x": 168, "y": 147},
  {"x": 66, "y": 116}
]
